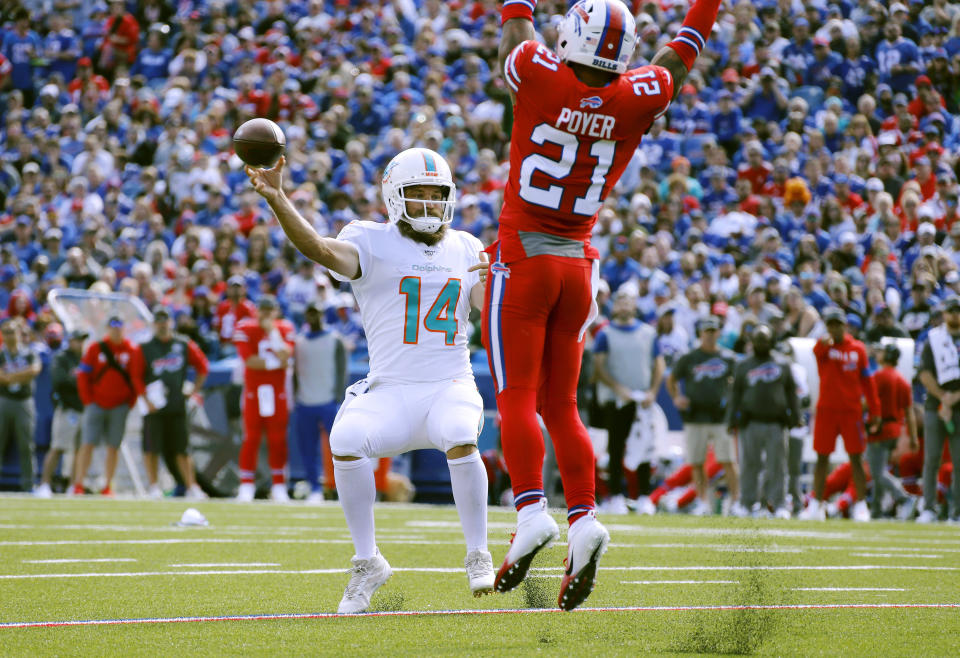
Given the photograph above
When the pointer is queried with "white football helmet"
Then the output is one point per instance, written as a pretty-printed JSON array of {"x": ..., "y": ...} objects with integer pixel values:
[
  {"x": 418, "y": 166},
  {"x": 598, "y": 33}
]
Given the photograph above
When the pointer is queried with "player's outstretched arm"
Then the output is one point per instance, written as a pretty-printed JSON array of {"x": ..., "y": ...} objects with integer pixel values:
[
  {"x": 336, "y": 255},
  {"x": 679, "y": 55},
  {"x": 517, "y": 19}
]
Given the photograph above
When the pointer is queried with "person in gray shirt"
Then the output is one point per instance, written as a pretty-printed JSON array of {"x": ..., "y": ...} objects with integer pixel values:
[
  {"x": 629, "y": 370},
  {"x": 706, "y": 373},
  {"x": 763, "y": 404}
]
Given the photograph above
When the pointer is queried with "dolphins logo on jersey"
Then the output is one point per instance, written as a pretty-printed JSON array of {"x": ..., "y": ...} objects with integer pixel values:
[{"x": 593, "y": 102}]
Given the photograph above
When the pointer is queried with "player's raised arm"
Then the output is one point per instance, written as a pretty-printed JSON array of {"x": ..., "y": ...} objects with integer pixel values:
[
  {"x": 336, "y": 255},
  {"x": 517, "y": 19},
  {"x": 679, "y": 55}
]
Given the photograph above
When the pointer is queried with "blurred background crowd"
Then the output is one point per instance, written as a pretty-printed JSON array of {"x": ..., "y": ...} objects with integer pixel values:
[{"x": 809, "y": 159}]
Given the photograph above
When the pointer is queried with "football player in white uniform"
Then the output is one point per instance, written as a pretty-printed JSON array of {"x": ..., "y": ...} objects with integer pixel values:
[{"x": 415, "y": 280}]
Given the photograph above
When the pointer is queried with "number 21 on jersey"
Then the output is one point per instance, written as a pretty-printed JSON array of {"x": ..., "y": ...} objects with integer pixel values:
[{"x": 440, "y": 318}]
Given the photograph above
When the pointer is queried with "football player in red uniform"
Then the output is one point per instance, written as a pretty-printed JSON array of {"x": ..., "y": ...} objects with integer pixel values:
[
  {"x": 579, "y": 114},
  {"x": 266, "y": 346}
]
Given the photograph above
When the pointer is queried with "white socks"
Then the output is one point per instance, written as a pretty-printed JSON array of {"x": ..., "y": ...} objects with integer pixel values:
[
  {"x": 468, "y": 478},
  {"x": 358, "y": 492}
]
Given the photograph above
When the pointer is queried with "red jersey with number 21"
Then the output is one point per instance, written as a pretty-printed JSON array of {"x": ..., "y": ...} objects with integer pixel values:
[{"x": 570, "y": 143}]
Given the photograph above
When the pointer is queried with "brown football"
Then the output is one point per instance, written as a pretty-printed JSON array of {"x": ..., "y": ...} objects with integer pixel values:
[{"x": 259, "y": 142}]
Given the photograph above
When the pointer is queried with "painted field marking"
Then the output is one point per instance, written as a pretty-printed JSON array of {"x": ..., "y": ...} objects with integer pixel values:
[
  {"x": 80, "y": 560},
  {"x": 226, "y": 564},
  {"x": 679, "y": 582},
  {"x": 914, "y": 556},
  {"x": 440, "y": 613},
  {"x": 849, "y": 589},
  {"x": 547, "y": 571}
]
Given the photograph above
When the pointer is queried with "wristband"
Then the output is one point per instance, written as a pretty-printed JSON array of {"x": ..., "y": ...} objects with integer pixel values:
[
  {"x": 697, "y": 25},
  {"x": 517, "y": 9}
]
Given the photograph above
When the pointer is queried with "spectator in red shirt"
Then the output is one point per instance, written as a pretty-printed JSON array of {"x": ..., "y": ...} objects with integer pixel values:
[
  {"x": 110, "y": 380},
  {"x": 844, "y": 381},
  {"x": 85, "y": 76},
  {"x": 120, "y": 43},
  {"x": 234, "y": 308},
  {"x": 849, "y": 200},
  {"x": 925, "y": 177},
  {"x": 896, "y": 406},
  {"x": 755, "y": 169},
  {"x": 928, "y": 99}
]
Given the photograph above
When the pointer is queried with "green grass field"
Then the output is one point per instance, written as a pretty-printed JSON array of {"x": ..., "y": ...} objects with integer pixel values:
[{"x": 94, "y": 559}]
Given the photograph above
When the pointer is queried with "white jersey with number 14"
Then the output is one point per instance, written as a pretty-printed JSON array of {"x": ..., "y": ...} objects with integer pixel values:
[{"x": 414, "y": 302}]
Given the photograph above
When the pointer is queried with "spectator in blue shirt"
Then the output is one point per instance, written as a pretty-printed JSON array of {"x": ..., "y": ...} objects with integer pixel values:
[
  {"x": 22, "y": 47},
  {"x": 898, "y": 58},
  {"x": 153, "y": 62},
  {"x": 823, "y": 65},
  {"x": 726, "y": 122},
  {"x": 620, "y": 268},
  {"x": 797, "y": 55},
  {"x": 765, "y": 100},
  {"x": 690, "y": 115},
  {"x": 61, "y": 48}
]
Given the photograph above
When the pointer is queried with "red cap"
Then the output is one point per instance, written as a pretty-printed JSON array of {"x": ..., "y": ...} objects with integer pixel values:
[
  {"x": 84, "y": 61},
  {"x": 730, "y": 75},
  {"x": 821, "y": 41},
  {"x": 688, "y": 89},
  {"x": 923, "y": 80},
  {"x": 719, "y": 308}
]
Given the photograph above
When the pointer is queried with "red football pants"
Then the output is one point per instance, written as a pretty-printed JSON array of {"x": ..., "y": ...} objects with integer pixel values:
[
  {"x": 533, "y": 312},
  {"x": 254, "y": 427}
]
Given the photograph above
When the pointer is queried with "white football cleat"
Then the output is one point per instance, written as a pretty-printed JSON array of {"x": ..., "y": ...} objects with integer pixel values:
[
  {"x": 615, "y": 505},
  {"x": 739, "y": 510},
  {"x": 278, "y": 493},
  {"x": 860, "y": 512},
  {"x": 926, "y": 516},
  {"x": 194, "y": 492},
  {"x": 587, "y": 541},
  {"x": 366, "y": 577},
  {"x": 906, "y": 509},
  {"x": 536, "y": 530},
  {"x": 781, "y": 513},
  {"x": 814, "y": 511},
  {"x": 643, "y": 505},
  {"x": 245, "y": 492},
  {"x": 480, "y": 572},
  {"x": 315, "y": 498},
  {"x": 155, "y": 492},
  {"x": 699, "y": 508},
  {"x": 43, "y": 490}
]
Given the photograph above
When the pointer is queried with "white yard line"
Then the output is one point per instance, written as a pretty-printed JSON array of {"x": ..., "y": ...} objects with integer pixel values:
[
  {"x": 219, "y": 540},
  {"x": 79, "y": 560},
  {"x": 849, "y": 589},
  {"x": 435, "y": 613},
  {"x": 898, "y": 555},
  {"x": 679, "y": 582},
  {"x": 544, "y": 570},
  {"x": 207, "y": 565}
]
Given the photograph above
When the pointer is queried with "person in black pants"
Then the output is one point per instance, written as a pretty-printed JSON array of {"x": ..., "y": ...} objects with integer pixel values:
[
  {"x": 166, "y": 358},
  {"x": 629, "y": 369}
]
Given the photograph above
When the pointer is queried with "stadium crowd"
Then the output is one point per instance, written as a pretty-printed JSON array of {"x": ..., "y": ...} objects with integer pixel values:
[{"x": 809, "y": 161}]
